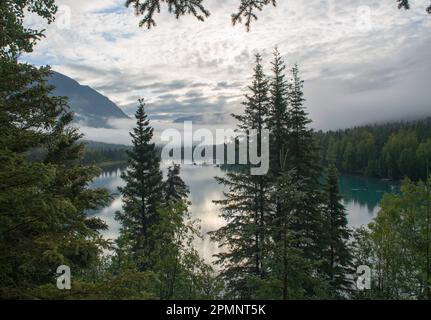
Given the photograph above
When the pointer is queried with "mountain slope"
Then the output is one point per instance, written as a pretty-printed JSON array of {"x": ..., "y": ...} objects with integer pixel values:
[{"x": 90, "y": 107}]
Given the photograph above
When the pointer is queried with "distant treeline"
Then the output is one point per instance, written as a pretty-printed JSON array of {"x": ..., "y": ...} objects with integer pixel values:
[
  {"x": 100, "y": 152},
  {"x": 389, "y": 151},
  {"x": 104, "y": 153}
]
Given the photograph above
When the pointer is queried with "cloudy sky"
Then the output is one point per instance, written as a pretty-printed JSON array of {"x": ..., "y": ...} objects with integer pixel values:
[{"x": 362, "y": 60}]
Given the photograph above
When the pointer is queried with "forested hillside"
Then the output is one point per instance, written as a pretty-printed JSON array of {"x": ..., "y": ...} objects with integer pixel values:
[
  {"x": 390, "y": 151},
  {"x": 104, "y": 153}
]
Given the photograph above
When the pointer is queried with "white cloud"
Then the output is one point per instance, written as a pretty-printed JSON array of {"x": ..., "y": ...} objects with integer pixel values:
[{"x": 368, "y": 47}]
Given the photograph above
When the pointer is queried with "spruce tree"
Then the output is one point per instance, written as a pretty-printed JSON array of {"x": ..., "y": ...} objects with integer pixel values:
[
  {"x": 302, "y": 145},
  {"x": 246, "y": 207},
  {"x": 175, "y": 188},
  {"x": 278, "y": 117},
  {"x": 43, "y": 202},
  {"x": 296, "y": 226},
  {"x": 293, "y": 273},
  {"x": 302, "y": 157},
  {"x": 278, "y": 123},
  {"x": 143, "y": 192},
  {"x": 337, "y": 257},
  {"x": 172, "y": 231},
  {"x": 157, "y": 231}
]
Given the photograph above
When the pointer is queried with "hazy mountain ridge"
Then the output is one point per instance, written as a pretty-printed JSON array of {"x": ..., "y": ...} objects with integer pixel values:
[{"x": 90, "y": 107}]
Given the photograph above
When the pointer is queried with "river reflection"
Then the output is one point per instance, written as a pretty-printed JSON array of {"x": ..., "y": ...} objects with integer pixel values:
[{"x": 361, "y": 197}]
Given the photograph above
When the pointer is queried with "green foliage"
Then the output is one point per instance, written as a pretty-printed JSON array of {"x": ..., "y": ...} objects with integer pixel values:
[
  {"x": 397, "y": 245},
  {"x": 182, "y": 273},
  {"x": 302, "y": 157},
  {"x": 293, "y": 271},
  {"x": 286, "y": 235},
  {"x": 105, "y": 155},
  {"x": 391, "y": 151},
  {"x": 43, "y": 204},
  {"x": 256, "y": 104},
  {"x": 337, "y": 258},
  {"x": 399, "y": 154},
  {"x": 14, "y": 37},
  {"x": 175, "y": 188},
  {"x": 128, "y": 285}
]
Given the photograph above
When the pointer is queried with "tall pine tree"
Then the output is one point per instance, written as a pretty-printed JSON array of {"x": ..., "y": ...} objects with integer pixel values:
[
  {"x": 302, "y": 157},
  {"x": 337, "y": 258},
  {"x": 293, "y": 178},
  {"x": 157, "y": 231},
  {"x": 278, "y": 117},
  {"x": 246, "y": 206},
  {"x": 43, "y": 203},
  {"x": 142, "y": 194},
  {"x": 175, "y": 188},
  {"x": 293, "y": 274}
]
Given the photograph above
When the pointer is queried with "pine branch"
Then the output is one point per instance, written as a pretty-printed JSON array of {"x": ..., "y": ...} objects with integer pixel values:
[
  {"x": 405, "y": 4},
  {"x": 247, "y": 10},
  {"x": 19, "y": 226},
  {"x": 148, "y": 8}
]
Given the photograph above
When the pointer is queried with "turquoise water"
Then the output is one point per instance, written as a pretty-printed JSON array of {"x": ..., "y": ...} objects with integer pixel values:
[{"x": 361, "y": 197}]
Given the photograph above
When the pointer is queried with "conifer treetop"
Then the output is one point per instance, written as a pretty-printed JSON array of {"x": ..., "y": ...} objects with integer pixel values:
[{"x": 256, "y": 102}]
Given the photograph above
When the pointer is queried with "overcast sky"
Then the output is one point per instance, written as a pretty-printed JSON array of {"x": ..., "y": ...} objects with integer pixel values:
[{"x": 362, "y": 60}]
